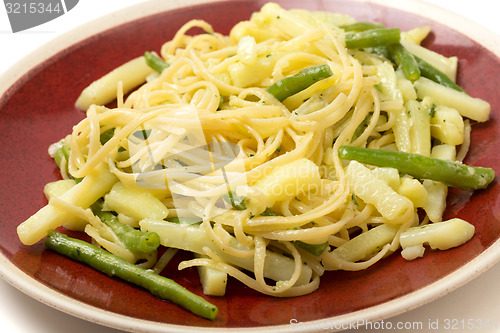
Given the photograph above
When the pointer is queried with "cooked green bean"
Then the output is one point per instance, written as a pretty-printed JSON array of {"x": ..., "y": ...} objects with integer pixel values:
[
  {"x": 361, "y": 127},
  {"x": 106, "y": 136},
  {"x": 362, "y": 26},
  {"x": 405, "y": 60},
  {"x": 155, "y": 62},
  {"x": 62, "y": 153},
  {"x": 186, "y": 220},
  {"x": 234, "y": 200},
  {"x": 112, "y": 265},
  {"x": 291, "y": 85},
  {"x": 381, "y": 51},
  {"x": 134, "y": 239},
  {"x": 434, "y": 74},
  {"x": 372, "y": 38},
  {"x": 315, "y": 249},
  {"x": 268, "y": 212},
  {"x": 422, "y": 167}
]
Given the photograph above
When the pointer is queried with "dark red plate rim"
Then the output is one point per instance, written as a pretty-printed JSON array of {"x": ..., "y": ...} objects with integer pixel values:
[{"x": 38, "y": 110}]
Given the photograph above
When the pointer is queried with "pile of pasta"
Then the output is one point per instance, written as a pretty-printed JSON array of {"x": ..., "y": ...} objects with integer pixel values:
[{"x": 204, "y": 156}]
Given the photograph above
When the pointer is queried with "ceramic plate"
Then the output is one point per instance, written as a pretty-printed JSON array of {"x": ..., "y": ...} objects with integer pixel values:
[{"x": 36, "y": 108}]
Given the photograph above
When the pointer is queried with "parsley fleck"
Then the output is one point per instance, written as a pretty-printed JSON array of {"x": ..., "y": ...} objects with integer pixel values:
[
  {"x": 353, "y": 197},
  {"x": 432, "y": 110}
]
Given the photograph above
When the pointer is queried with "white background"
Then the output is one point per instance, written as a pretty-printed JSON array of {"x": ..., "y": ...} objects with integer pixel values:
[{"x": 19, "y": 313}]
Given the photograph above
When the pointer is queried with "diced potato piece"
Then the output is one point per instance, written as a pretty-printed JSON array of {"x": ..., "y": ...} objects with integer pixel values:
[
  {"x": 413, "y": 252},
  {"x": 328, "y": 156},
  {"x": 247, "y": 28},
  {"x": 436, "y": 199},
  {"x": 247, "y": 50},
  {"x": 57, "y": 188},
  {"x": 446, "y": 65},
  {"x": 468, "y": 106},
  {"x": 416, "y": 35},
  {"x": 441, "y": 235},
  {"x": 437, "y": 191},
  {"x": 97, "y": 183},
  {"x": 367, "y": 243},
  {"x": 389, "y": 175},
  {"x": 298, "y": 177},
  {"x": 243, "y": 75},
  {"x": 407, "y": 90},
  {"x": 420, "y": 131},
  {"x": 444, "y": 152},
  {"x": 375, "y": 191},
  {"x": 104, "y": 90},
  {"x": 413, "y": 190},
  {"x": 447, "y": 125},
  {"x": 212, "y": 280},
  {"x": 134, "y": 202},
  {"x": 402, "y": 131},
  {"x": 388, "y": 82}
]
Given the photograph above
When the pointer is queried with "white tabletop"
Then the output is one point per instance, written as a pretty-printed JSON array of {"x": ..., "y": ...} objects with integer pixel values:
[{"x": 476, "y": 301}]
